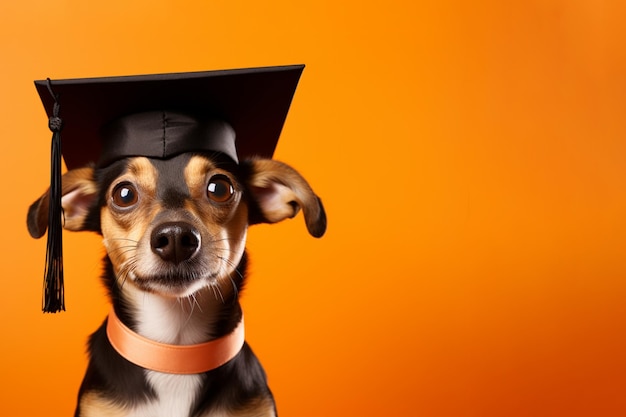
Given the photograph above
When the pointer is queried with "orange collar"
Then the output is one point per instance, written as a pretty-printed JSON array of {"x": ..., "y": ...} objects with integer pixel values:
[{"x": 173, "y": 359}]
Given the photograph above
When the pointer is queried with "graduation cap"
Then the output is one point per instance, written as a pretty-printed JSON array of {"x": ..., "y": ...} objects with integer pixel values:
[{"x": 239, "y": 113}]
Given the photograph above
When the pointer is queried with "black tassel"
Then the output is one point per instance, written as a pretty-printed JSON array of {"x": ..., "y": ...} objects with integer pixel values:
[{"x": 54, "y": 297}]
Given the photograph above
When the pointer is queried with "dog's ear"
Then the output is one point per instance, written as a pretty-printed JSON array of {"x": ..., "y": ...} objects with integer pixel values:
[
  {"x": 79, "y": 191},
  {"x": 279, "y": 192}
]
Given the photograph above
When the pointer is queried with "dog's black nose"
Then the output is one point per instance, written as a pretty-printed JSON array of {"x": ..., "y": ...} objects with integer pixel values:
[{"x": 175, "y": 241}]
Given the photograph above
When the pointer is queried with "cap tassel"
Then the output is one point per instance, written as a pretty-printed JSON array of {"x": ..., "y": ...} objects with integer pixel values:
[{"x": 54, "y": 297}]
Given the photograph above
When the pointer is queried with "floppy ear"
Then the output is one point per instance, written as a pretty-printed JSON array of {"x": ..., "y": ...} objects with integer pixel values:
[
  {"x": 280, "y": 192},
  {"x": 79, "y": 190}
]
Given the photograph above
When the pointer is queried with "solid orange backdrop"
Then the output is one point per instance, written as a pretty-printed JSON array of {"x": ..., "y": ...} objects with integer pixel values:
[{"x": 472, "y": 159}]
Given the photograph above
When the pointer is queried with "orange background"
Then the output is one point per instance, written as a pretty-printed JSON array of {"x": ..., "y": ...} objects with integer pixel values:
[{"x": 472, "y": 159}]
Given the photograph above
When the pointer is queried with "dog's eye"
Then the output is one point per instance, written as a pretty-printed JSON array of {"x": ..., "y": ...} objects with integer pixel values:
[
  {"x": 220, "y": 189},
  {"x": 124, "y": 195}
]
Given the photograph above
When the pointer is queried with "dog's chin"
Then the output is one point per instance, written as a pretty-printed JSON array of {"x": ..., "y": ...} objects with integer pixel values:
[{"x": 174, "y": 285}]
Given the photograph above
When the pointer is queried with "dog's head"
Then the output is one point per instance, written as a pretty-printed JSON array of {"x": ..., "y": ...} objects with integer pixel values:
[{"x": 175, "y": 226}]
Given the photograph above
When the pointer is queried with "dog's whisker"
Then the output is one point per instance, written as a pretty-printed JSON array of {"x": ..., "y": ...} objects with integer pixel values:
[
  {"x": 225, "y": 239},
  {"x": 125, "y": 270},
  {"x": 229, "y": 274},
  {"x": 121, "y": 279},
  {"x": 112, "y": 239},
  {"x": 229, "y": 250},
  {"x": 228, "y": 262},
  {"x": 191, "y": 302},
  {"x": 123, "y": 247},
  {"x": 109, "y": 242},
  {"x": 118, "y": 253},
  {"x": 122, "y": 282},
  {"x": 231, "y": 244},
  {"x": 212, "y": 287},
  {"x": 235, "y": 296},
  {"x": 195, "y": 300},
  {"x": 219, "y": 291}
]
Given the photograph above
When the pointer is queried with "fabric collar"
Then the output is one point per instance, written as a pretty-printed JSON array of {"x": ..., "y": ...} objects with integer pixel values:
[{"x": 173, "y": 359}]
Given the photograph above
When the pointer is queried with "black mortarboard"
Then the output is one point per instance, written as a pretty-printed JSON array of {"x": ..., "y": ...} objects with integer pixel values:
[{"x": 239, "y": 113}]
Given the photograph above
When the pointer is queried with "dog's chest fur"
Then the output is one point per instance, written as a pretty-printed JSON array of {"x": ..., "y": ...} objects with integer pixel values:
[{"x": 175, "y": 395}]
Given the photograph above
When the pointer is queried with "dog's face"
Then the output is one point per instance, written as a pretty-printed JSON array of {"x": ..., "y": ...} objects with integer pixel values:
[{"x": 175, "y": 226}]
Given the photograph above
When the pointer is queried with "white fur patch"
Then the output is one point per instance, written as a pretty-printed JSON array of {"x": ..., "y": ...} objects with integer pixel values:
[{"x": 175, "y": 395}]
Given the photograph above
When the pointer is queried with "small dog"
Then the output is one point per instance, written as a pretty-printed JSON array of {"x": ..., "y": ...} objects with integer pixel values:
[{"x": 174, "y": 232}]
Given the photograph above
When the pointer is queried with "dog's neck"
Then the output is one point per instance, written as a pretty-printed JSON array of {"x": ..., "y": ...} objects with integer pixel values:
[
  {"x": 175, "y": 321},
  {"x": 179, "y": 321}
]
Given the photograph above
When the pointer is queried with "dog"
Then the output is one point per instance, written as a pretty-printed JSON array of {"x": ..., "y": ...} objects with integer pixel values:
[{"x": 174, "y": 231}]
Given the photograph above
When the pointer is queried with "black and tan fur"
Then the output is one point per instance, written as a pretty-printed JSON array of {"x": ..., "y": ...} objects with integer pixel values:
[{"x": 174, "y": 269}]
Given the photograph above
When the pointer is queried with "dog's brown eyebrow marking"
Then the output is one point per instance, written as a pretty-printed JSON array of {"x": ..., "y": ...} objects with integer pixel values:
[
  {"x": 195, "y": 175},
  {"x": 138, "y": 166},
  {"x": 144, "y": 173}
]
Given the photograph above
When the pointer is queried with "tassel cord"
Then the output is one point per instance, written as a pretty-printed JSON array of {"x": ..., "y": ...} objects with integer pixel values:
[{"x": 54, "y": 294}]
